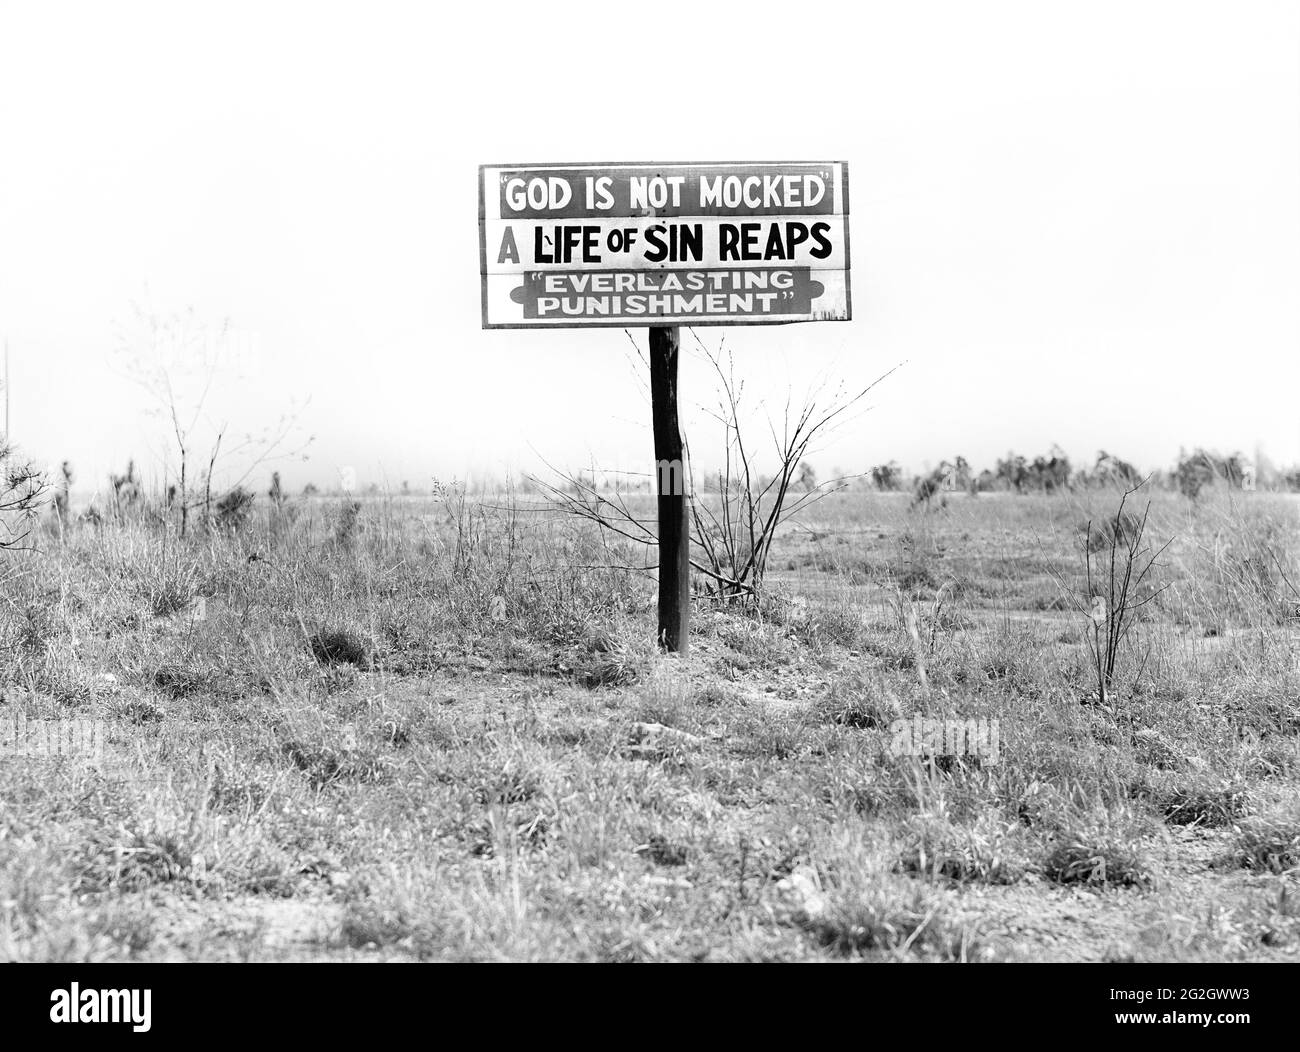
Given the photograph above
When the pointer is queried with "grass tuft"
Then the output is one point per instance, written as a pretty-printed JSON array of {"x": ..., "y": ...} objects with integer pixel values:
[{"x": 339, "y": 646}]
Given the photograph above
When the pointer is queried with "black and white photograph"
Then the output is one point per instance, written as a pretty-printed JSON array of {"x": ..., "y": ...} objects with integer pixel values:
[{"x": 571, "y": 483}]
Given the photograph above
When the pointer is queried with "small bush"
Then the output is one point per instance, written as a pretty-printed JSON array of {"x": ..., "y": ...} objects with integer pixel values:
[
  {"x": 837, "y": 625},
  {"x": 395, "y": 907},
  {"x": 339, "y": 646},
  {"x": 887, "y": 915},
  {"x": 617, "y": 664},
  {"x": 1270, "y": 843},
  {"x": 147, "y": 858},
  {"x": 235, "y": 509},
  {"x": 1202, "y": 803},
  {"x": 345, "y": 530},
  {"x": 864, "y": 703},
  {"x": 989, "y": 852},
  {"x": 36, "y": 629},
  {"x": 324, "y": 765},
  {"x": 1116, "y": 532},
  {"x": 170, "y": 588},
  {"x": 916, "y": 578},
  {"x": 182, "y": 681},
  {"x": 1097, "y": 853},
  {"x": 664, "y": 852},
  {"x": 511, "y": 785}
]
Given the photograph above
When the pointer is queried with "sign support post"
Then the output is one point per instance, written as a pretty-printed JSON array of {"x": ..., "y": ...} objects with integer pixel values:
[{"x": 670, "y": 484}]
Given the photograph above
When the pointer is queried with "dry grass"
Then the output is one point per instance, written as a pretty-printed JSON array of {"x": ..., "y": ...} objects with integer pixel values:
[{"x": 440, "y": 730}]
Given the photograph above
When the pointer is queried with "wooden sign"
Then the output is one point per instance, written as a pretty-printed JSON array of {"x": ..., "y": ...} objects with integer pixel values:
[{"x": 663, "y": 244}]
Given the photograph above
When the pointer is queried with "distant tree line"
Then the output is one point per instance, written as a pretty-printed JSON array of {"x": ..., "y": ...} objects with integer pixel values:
[
  {"x": 1193, "y": 473},
  {"x": 1053, "y": 472}
]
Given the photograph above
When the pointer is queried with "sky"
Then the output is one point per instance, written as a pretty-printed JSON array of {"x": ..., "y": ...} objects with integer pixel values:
[{"x": 1072, "y": 223}]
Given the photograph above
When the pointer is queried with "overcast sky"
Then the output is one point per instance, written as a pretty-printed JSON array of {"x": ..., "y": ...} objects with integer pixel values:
[{"x": 1077, "y": 223}]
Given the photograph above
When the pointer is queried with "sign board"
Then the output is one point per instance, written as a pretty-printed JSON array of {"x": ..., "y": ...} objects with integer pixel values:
[{"x": 663, "y": 244}]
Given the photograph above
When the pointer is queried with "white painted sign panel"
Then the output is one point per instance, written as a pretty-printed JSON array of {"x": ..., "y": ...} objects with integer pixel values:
[{"x": 663, "y": 244}]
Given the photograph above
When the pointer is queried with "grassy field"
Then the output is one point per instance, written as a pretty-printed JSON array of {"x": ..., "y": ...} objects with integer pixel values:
[{"x": 417, "y": 729}]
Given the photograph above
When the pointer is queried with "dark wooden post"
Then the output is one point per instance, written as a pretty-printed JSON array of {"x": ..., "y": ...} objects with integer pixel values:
[{"x": 670, "y": 483}]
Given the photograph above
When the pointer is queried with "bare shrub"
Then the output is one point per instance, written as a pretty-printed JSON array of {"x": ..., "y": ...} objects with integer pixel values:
[
  {"x": 21, "y": 490},
  {"x": 1113, "y": 592},
  {"x": 736, "y": 514}
]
